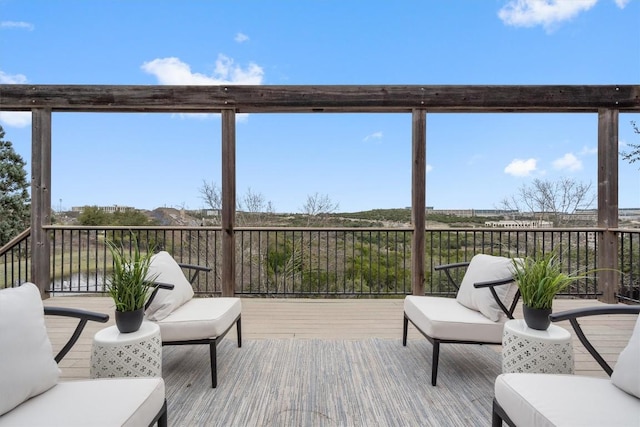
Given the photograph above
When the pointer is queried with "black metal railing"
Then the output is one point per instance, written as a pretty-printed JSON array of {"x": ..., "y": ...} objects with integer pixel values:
[
  {"x": 629, "y": 264},
  {"x": 312, "y": 262},
  {"x": 15, "y": 260}
]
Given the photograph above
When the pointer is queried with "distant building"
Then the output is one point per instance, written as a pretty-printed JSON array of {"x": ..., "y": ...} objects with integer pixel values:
[
  {"x": 470, "y": 212},
  {"x": 519, "y": 224},
  {"x": 108, "y": 209},
  {"x": 629, "y": 213}
]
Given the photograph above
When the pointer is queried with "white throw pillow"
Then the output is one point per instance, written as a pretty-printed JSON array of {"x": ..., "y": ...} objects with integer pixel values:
[
  {"x": 27, "y": 366},
  {"x": 166, "y": 270},
  {"x": 484, "y": 268},
  {"x": 626, "y": 375}
]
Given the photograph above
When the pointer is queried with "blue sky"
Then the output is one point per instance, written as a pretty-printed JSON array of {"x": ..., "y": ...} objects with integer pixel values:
[{"x": 361, "y": 161}]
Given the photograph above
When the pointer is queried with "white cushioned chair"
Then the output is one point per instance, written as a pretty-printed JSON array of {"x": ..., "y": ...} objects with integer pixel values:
[
  {"x": 574, "y": 400},
  {"x": 30, "y": 394},
  {"x": 486, "y": 298},
  {"x": 186, "y": 320}
]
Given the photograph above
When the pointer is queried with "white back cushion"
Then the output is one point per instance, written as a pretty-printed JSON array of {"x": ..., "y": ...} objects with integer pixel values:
[
  {"x": 626, "y": 375},
  {"x": 484, "y": 268},
  {"x": 27, "y": 367},
  {"x": 166, "y": 270}
]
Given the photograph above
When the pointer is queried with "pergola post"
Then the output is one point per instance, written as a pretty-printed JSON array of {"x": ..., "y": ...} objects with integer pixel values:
[
  {"x": 40, "y": 198},
  {"x": 418, "y": 197},
  {"x": 608, "y": 276},
  {"x": 228, "y": 202}
]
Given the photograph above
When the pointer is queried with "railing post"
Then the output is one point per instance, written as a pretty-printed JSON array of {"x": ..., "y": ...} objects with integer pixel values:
[
  {"x": 40, "y": 198},
  {"x": 609, "y": 276},
  {"x": 418, "y": 198},
  {"x": 228, "y": 202}
]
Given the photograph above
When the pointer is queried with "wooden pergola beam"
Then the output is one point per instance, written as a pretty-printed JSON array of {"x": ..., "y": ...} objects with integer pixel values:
[
  {"x": 606, "y": 100},
  {"x": 40, "y": 198},
  {"x": 316, "y": 99},
  {"x": 608, "y": 274}
]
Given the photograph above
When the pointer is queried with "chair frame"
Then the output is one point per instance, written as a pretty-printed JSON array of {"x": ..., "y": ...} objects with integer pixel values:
[
  {"x": 499, "y": 415},
  {"x": 83, "y": 316},
  {"x": 212, "y": 342},
  {"x": 437, "y": 341}
]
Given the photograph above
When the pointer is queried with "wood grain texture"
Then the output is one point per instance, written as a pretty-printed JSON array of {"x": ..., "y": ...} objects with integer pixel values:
[{"x": 327, "y": 98}]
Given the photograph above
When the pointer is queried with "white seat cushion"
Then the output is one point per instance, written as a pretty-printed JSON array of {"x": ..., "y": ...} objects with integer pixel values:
[
  {"x": 27, "y": 366},
  {"x": 164, "y": 269},
  {"x": 626, "y": 374},
  {"x": 484, "y": 268},
  {"x": 200, "y": 318},
  {"x": 103, "y": 402},
  {"x": 445, "y": 318},
  {"x": 565, "y": 400}
]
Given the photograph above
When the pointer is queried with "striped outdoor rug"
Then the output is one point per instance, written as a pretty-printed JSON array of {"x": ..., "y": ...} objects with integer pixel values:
[{"x": 288, "y": 382}]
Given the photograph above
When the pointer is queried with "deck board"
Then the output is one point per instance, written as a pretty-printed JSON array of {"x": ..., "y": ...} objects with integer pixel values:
[{"x": 325, "y": 319}]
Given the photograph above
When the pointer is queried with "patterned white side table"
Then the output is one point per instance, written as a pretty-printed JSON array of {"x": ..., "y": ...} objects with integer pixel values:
[
  {"x": 529, "y": 350},
  {"x": 136, "y": 354}
]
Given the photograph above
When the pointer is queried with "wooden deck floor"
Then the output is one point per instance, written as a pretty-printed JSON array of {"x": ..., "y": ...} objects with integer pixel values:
[{"x": 331, "y": 320}]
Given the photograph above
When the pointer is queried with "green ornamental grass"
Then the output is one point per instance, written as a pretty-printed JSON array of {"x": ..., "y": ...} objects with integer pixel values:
[
  {"x": 128, "y": 284},
  {"x": 541, "y": 278}
]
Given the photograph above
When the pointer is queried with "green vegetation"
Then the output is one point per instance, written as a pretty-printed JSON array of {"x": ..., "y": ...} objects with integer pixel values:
[
  {"x": 540, "y": 279},
  {"x": 93, "y": 216},
  {"x": 14, "y": 196},
  {"x": 128, "y": 284}
]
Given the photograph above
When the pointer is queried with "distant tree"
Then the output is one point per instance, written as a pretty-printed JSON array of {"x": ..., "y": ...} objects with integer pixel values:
[
  {"x": 14, "y": 195},
  {"x": 319, "y": 205},
  {"x": 633, "y": 155},
  {"x": 253, "y": 202},
  {"x": 551, "y": 200},
  {"x": 130, "y": 217},
  {"x": 92, "y": 215},
  {"x": 212, "y": 195}
]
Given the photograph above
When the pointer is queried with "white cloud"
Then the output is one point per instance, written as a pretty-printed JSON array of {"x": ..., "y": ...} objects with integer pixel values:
[
  {"x": 172, "y": 71},
  {"x": 429, "y": 168},
  {"x": 621, "y": 3},
  {"x": 14, "y": 118},
  {"x": 375, "y": 135},
  {"x": 18, "y": 119},
  {"x": 520, "y": 167},
  {"x": 19, "y": 25},
  {"x": 8, "y": 79},
  {"x": 569, "y": 162},
  {"x": 588, "y": 151},
  {"x": 241, "y": 38},
  {"x": 548, "y": 13}
]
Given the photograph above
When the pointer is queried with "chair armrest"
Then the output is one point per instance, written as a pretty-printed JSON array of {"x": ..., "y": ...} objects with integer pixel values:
[
  {"x": 197, "y": 268},
  {"x": 453, "y": 265},
  {"x": 594, "y": 311},
  {"x": 157, "y": 286},
  {"x": 491, "y": 284},
  {"x": 83, "y": 315},
  {"x": 447, "y": 267},
  {"x": 573, "y": 315}
]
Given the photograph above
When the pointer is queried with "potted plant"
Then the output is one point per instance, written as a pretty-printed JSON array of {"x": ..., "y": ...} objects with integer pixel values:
[
  {"x": 540, "y": 279},
  {"x": 129, "y": 284}
]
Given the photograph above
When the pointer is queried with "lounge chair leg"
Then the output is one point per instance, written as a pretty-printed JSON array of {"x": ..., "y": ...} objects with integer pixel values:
[
  {"x": 499, "y": 417},
  {"x": 214, "y": 364},
  {"x": 496, "y": 421},
  {"x": 405, "y": 328},
  {"x": 239, "y": 331},
  {"x": 162, "y": 417},
  {"x": 434, "y": 363}
]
